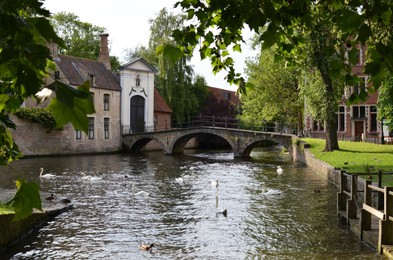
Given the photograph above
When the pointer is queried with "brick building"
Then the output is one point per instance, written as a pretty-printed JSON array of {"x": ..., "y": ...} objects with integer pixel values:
[{"x": 356, "y": 122}]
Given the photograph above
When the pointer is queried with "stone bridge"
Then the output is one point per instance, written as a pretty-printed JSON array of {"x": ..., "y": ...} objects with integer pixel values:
[{"x": 174, "y": 141}]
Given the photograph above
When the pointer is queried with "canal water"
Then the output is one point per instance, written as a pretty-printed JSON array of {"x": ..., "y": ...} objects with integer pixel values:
[{"x": 269, "y": 216}]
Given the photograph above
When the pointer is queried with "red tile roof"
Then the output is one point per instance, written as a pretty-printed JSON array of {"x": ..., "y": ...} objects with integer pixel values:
[{"x": 159, "y": 104}]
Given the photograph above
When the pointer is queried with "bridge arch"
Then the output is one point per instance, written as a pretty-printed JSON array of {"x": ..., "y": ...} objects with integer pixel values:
[
  {"x": 138, "y": 144},
  {"x": 249, "y": 147},
  {"x": 179, "y": 142}
]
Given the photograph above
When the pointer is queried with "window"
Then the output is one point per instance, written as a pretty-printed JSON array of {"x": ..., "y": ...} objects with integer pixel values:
[
  {"x": 359, "y": 58},
  {"x": 106, "y": 128},
  {"x": 106, "y": 102},
  {"x": 373, "y": 119},
  {"x": 341, "y": 119},
  {"x": 360, "y": 86},
  {"x": 358, "y": 112},
  {"x": 78, "y": 134},
  {"x": 90, "y": 130},
  {"x": 92, "y": 96},
  {"x": 92, "y": 80},
  {"x": 318, "y": 126},
  {"x": 57, "y": 74}
]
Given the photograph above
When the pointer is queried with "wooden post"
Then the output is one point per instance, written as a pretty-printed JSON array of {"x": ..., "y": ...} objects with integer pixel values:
[
  {"x": 386, "y": 226},
  {"x": 365, "y": 216},
  {"x": 352, "y": 210},
  {"x": 380, "y": 195},
  {"x": 341, "y": 197}
]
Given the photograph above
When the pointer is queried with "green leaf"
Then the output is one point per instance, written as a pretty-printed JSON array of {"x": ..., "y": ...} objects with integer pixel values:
[
  {"x": 170, "y": 52},
  {"x": 71, "y": 105},
  {"x": 26, "y": 198}
]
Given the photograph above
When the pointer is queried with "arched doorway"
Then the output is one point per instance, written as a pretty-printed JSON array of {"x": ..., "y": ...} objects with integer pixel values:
[{"x": 137, "y": 112}]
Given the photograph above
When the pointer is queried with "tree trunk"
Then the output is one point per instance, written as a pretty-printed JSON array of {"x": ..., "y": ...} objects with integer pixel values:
[{"x": 331, "y": 135}]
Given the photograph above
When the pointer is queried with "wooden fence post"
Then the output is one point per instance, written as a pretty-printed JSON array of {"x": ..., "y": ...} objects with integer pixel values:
[
  {"x": 365, "y": 216},
  {"x": 386, "y": 226},
  {"x": 352, "y": 209},
  {"x": 341, "y": 197},
  {"x": 380, "y": 195}
]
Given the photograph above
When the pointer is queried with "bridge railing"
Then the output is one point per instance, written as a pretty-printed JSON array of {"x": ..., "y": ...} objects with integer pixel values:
[
  {"x": 384, "y": 215},
  {"x": 209, "y": 121}
]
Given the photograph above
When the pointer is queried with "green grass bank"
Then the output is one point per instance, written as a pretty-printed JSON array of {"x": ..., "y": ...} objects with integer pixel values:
[{"x": 357, "y": 157}]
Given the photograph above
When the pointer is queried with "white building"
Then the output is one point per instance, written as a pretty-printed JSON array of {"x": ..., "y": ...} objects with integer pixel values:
[{"x": 137, "y": 96}]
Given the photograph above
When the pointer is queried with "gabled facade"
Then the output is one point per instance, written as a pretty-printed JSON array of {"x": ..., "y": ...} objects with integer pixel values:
[
  {"x": 356, "y": 122},
  {"x": 137, "y": 98}
]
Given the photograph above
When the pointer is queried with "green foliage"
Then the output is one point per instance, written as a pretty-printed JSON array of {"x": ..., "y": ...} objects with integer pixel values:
[
  {"x": 81, "y": 39},
  {"x": 275, "y": 96},
  {"x": 24, "y": 62},
  {"x": 71, "y": 105},
  {"x": 37, "y": 115},
  {"x": 385, "y": 104},
  {"x": 26, "y": 198}
]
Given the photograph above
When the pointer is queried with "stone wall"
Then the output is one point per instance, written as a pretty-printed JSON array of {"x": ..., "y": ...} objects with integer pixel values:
[{"x": 300, "y": 153}]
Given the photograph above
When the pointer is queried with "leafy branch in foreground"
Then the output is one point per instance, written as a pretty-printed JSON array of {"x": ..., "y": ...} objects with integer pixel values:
[{"x": 24, "y": 64}]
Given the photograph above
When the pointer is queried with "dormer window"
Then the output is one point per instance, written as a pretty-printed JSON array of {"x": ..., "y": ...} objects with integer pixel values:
[
  {"x": 138, "y": 80},
  {"x": 57, "y": 74},
  {"x": 92, "y": 80}
]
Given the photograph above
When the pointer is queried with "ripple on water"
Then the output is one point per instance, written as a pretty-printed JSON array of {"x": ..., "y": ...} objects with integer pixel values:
[{"x": 266, "y": 216}]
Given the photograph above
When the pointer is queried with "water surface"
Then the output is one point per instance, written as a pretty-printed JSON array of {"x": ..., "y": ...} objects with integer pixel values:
[{"x": 270, "y": 216}]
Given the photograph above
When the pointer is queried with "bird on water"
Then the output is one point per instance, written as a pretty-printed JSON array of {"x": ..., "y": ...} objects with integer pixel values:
[
  {"x": 145, "y": 247},
  {"x": 280, "y": 170},
  {"x": 48, "y": 175}
]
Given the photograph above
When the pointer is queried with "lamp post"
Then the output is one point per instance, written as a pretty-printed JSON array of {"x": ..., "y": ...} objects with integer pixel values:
[{"x": 382, "y": 137}]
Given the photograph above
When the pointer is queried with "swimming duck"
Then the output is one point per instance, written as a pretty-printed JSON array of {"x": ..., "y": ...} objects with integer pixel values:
[
  {"x": 51, "y": 197},
  {"x": 224, "y": 212},
  {"x": 145, "y": 247},
  {"x": 48, "y": 175},
  {"x": 280, "y": 170},
  {"x": 179, "y": 180},
  {"x": 215, "y": 183},
  {"x": 65, "y": 201}
]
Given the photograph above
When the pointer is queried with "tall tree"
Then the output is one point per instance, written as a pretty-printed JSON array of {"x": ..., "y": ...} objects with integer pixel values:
[
  {"x": 24, "y": 63},
  {"x": 217, "y": 25},
  {"x": 275, "y": 94},
  {"x": 81, "y": 39},
  {"x": 175, "y": 78}
]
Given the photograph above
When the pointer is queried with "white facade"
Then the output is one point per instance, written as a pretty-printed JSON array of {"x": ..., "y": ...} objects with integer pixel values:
[{"x": 137, "y": 95}]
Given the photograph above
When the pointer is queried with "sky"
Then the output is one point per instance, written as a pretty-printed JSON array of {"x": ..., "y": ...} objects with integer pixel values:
[{"x": 126, "y": 21}]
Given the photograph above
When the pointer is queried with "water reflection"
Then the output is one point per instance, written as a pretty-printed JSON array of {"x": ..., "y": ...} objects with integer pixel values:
[{"x": 269, "y": 216}]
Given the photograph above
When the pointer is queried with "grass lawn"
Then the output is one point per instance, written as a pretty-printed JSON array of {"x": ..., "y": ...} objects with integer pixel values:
[{"x": 357, "y": 157}]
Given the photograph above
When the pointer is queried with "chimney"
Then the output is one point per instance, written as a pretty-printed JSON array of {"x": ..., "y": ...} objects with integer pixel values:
[
  {"x": 104, "y": 52},
  {"x": 54, "y": 50}
]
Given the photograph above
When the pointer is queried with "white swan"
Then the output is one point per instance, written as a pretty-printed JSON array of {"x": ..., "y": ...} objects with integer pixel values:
[
  {"x": 90, "y": 178},
  {"x": 215, "y": 183},
  {"x": 46, "y": 176},
  {"x": 280, "y": 170},
  {"x": 179, "y": 180},
  {"x": 141, "y": 193}
]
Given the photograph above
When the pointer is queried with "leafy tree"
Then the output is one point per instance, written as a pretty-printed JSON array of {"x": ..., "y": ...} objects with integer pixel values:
[
  {"x": 275, "y": 95},
  {"x": 324, "y": 26},
  {"x": 24, "y": 62},
  {"x": 385, "y": 104},
  {"x": 81, "y": 39}
]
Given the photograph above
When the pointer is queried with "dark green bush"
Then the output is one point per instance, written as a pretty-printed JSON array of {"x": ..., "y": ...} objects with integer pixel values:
[{"x": 37, "y": 115}]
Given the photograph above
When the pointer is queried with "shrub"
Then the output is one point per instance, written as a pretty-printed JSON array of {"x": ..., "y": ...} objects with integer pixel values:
[{"x": 37, "y": 115}]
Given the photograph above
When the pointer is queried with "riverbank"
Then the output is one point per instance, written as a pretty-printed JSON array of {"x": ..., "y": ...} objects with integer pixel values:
[
  {"x": 306, "y": 153},
  {"x": 12, "y": 231}
]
